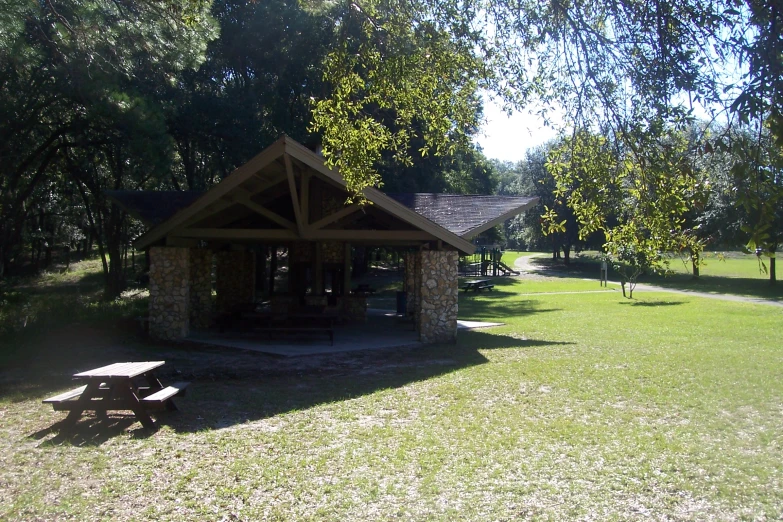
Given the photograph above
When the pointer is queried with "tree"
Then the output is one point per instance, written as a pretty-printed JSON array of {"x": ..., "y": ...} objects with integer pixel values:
[
  {"x": 601, "y": 63},
  {"x": 256, "y": 83},
  {"x": 73, "y": 73},
  {"x": 647, "y": 187},
  {"x": 757, "y": 172}
]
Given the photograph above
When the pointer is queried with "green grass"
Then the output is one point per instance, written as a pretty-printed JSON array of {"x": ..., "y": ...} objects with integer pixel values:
[
  {"x": 582, "y": 406},
  {"x": 31, "y": 307},
  {"x": 730, "y": 273},
  {"x": 509, "y": 256}
]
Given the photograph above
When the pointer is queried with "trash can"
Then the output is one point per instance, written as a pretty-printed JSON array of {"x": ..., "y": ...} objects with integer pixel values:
[{"x": 402, "y": 303}]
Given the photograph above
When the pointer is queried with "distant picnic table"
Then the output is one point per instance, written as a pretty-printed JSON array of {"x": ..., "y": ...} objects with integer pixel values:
[
  {"x": 477, "y": 285},
  {"x": 120, "y": 386}
]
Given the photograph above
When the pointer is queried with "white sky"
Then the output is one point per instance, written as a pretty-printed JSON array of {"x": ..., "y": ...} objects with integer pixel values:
[{"x": 507, "y": 138}]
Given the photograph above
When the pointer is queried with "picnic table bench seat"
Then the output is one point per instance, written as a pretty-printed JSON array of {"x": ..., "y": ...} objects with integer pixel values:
[
  {"x": 477, "y": 287},
  {"x": 65, "y": 396},
  {"x": 161, "y": 396}
]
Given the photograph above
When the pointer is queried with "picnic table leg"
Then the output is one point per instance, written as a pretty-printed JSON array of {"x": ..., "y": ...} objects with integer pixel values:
[
  {"x": 136, "y": 407},
  {"x": 82, "y": 402}
]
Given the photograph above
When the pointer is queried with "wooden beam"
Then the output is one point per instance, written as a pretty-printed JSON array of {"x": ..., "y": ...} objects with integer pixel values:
[
  {"x": 243, "y": 198},
  {"x": 236, "y": 233},
  {"x": 370, "y": 235},
  {"x": 331, "y": 218},
  {"x": 390, "y": 205},
  {"x": 237, "y": 177},
  {"x": 347, "y": 270},
  {"x": 305, "y": 197},
  {"x": 375, "y": 236},
  {"x": 289, "y": 168},
  {"x": 267, "y": 184},
  {"x": 210, "y": 209}
]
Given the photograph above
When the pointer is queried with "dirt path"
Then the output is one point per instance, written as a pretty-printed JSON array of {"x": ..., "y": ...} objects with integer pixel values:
[{"x": 528, "y": 269}]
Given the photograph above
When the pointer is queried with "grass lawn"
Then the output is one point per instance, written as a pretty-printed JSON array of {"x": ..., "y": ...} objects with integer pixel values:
[
  {"x": 509, "y": 256},
  {"x": 582, "y": 406},
  {"x": 731, "y": 273}
]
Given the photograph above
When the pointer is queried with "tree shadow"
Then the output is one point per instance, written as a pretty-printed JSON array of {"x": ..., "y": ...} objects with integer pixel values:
[
  {"x": 651, "y": 303},
  {"x": 587, "y": 267},
  {"x": 497, "y": 306}
]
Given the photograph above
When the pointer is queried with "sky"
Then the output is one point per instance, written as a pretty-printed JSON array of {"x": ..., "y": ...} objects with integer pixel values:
[{"x": 507, "y": 138}]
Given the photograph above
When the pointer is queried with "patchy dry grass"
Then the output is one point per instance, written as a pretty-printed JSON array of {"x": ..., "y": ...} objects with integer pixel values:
[{"x": 583, "y": 406}]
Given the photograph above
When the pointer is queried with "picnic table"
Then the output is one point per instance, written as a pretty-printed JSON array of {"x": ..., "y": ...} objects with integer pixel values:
[
  {"x": 477, "y": 285},
  {"x": 307, "y": 321},
  {"x": 120, "y": 386}
]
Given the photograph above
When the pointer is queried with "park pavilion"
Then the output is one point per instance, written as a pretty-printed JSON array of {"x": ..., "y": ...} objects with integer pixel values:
[{"x": 286, "y": 197}]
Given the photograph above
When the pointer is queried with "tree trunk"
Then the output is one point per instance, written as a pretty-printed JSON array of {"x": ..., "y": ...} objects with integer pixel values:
[
  {"x": 772, "y": 277},
  {"x": 115, "y": 280},
  {"x": 567, "y": 255}
]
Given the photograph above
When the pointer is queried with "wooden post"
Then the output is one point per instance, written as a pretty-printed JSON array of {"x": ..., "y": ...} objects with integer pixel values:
[
  {"x": 272, "y": 270},
  {"x": 318, "y": 279},
  {"x": 347, "y": 270}
]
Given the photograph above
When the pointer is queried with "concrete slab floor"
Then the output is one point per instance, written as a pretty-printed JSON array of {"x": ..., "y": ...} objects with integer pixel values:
[{"x": 383, "y": 329}]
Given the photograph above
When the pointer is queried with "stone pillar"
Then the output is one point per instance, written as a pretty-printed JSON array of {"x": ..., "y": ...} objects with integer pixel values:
[
  {"x": 439, "y": 293},
  {"x": 169, "y": 302},
  {"x": 235, "y": 279},
  {"x": 200, "y": 288}
]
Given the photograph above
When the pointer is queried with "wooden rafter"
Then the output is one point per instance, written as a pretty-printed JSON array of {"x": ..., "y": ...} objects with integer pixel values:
[
  {"x": 305, "y": 197},
  {"x": 289, "y": 168},
  {"x": 243, "y": 198},
  {"x": 331, "y": 218},
  {"x": 237, "y": 233},
  {"x": 322, "y": 235}
]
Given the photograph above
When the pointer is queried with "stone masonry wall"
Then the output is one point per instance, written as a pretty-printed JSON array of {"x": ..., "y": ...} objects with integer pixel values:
[
  {"x": 169, "y": 292},
  {"x": 235, "y": 279},
  {"x": 200, "y": 288},
  {"x": 439, "y": 297}
]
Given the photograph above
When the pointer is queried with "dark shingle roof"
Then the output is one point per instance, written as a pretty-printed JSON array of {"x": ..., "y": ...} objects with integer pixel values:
[
  {"x": 464, "y": 215},
  {"x": 153, "y": 207}
]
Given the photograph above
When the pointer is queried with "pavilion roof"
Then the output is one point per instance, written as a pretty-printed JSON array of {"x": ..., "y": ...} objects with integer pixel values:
[
  {"x": 465, "y": 215},
  {"x": 257, "y": 188}
]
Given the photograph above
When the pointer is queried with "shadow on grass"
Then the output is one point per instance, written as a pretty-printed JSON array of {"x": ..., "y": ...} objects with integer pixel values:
[
  {"x": 653, "y": 304},
  {"x": 228, "y": 389},
  {"x": 90, "y": 431},
  {"x": 740, "y": 286},
  {"x": 497, "y": 306},
  {"x": 222, "y": 404}
]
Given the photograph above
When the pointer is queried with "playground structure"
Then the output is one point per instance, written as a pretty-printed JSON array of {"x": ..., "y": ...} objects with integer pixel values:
[{"x": 485, "y": 261}]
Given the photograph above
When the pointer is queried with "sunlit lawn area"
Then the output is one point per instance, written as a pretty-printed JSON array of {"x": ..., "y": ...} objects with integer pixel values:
[
  {"x": 582, "y": 406},
  {"x": 728, "y": 273}
]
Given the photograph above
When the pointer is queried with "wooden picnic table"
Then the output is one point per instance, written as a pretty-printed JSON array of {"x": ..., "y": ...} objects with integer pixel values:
[
  {"x": 477, "y": 285},
  {"x": 120, "y": 386}
]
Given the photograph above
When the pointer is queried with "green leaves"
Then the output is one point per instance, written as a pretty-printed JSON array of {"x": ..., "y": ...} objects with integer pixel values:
[
  {"x": 636, "y": 191},
  {"x": 395, "y": 80}
]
